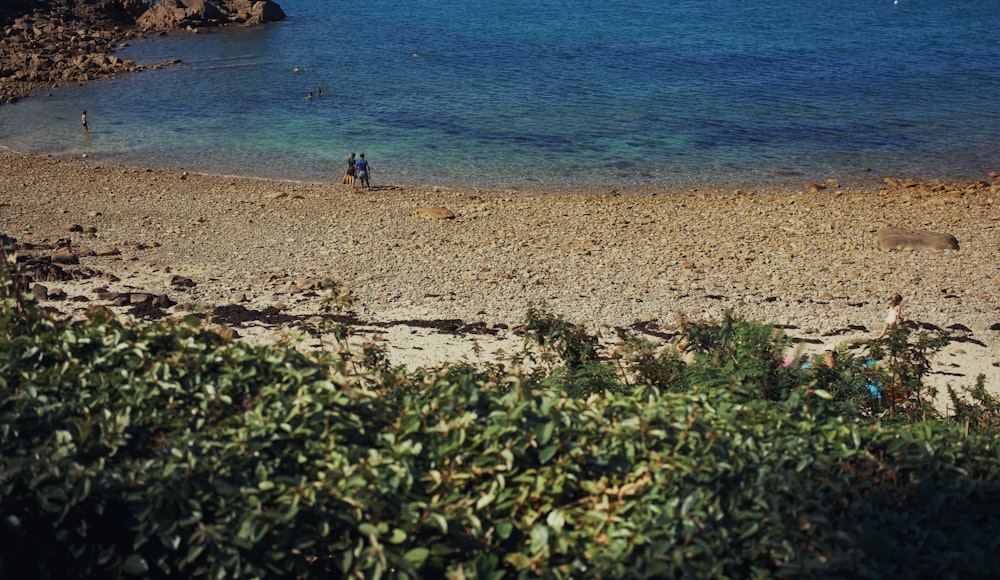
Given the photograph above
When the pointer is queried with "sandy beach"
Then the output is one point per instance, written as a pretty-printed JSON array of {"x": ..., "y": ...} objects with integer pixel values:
[{"x": 455, "y": 289}]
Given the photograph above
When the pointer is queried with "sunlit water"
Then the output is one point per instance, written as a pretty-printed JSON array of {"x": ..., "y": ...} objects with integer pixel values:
[{"x": 553, "y": 92}]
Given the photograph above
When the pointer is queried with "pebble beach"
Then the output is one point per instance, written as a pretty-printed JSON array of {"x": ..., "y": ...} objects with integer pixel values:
[{"x": 804, "y": 258}]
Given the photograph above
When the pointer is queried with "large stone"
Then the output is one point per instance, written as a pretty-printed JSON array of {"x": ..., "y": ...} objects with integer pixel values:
[
  {"x": 173, "y": 14},
  {"x": 40, "y": 291},
  {"x": 254, "y": 11},
  {"x": 436, "y": 213},
  {"x": 64, "y": 257},
  {"x": 892, "y": 238}
]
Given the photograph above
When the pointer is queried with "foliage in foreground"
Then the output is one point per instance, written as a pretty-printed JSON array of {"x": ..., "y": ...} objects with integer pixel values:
[{"x": 167, "y": 451}]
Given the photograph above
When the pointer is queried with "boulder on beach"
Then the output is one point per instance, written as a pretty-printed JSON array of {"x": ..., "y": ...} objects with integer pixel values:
[
  {"x": 892, "y": 238},
  {"x": 436, "y": 213}
]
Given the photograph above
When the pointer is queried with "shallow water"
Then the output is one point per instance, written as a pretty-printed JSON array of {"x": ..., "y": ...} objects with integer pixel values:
[{"x": 559, "y": 92}]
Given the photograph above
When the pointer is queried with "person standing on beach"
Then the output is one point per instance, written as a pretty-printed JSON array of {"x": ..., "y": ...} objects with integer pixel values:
[
  {"x": 83, "y": 119},
  {"x": 893, "y": 316},
  {"x": 352, "y": 170},
  {"x": 363, "y": 172}
]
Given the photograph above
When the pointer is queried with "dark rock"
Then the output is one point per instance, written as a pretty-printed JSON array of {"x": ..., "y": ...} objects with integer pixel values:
[
  {"x": 146, "y": 311},
  {"x": 65, "y": 258},
  {"x": 162, "y": 301},
  {"x": 182, "y": 281},
  {"x": 40, "y": 291},
  {"x": 99, "y": 311}
]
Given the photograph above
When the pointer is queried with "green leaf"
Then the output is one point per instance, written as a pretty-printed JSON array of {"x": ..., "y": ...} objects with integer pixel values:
[
  {"x": 547, "y": 431},
  {"x": 485, "y": 500},
  {"x": 504, "y": 530},
  {"x": 417, "y": 555},
  {"x": 547, "y": 453},
  {"x": 556, "y": 519},
  {"x": 135, "y": 564},
  {"x": 539, "y": 537},
  {"x": 440, "y": 521},
  {"x": 410, "y": 423}
]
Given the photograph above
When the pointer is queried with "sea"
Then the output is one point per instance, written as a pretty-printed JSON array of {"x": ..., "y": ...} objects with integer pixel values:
[{"x": 552, "y": 92}]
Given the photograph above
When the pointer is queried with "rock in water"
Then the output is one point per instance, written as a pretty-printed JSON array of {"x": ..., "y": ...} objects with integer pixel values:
[{"x": 173, "y": 14}]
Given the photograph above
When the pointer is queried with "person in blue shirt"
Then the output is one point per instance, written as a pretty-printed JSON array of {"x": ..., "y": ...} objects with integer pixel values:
[{"x": 364, "y": 171}]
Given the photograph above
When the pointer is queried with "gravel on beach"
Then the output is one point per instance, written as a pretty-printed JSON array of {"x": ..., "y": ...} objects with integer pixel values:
[{"x": 806, "y": 257}]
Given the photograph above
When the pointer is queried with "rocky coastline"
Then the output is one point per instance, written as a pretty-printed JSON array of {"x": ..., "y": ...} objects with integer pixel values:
[{"x": 49, "y": 43}]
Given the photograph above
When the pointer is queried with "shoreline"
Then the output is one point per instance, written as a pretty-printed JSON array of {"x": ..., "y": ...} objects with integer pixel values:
[
  {"x": 454, "y": 290},
  {"x": 781, "y": 182}
]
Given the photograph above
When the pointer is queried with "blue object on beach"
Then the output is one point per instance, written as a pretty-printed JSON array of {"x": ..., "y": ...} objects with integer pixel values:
[{"x": 871, "y": 384}]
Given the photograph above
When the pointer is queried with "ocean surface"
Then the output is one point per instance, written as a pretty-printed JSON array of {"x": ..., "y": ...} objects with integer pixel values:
[{"x": 564, "y": 92}]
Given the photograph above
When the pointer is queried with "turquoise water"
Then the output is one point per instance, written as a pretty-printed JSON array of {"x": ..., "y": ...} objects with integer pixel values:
[{"x": 557, "y": 92}]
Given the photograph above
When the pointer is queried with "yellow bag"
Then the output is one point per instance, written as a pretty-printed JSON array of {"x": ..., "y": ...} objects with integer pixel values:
[{"x": 347, "y": 178}]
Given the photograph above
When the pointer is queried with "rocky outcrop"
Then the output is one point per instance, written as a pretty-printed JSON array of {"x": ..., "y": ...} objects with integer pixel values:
[
  {"x": 48, "y": 42},
  {"x": 193, "y": 14},
  {"x": 102, "y": 12},
  {"x": 891, "y": 238},
  {"x": 52, "y": 48},
  {"x": 85, "y": 12}
]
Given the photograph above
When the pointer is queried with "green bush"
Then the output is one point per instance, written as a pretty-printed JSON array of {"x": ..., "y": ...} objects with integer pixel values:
[
  {"x": 906, "y": 362},
  {"x": 736, "y": 351},
  {"x": 167, "y": 451},
  {"x": 642, "y": 362}
]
